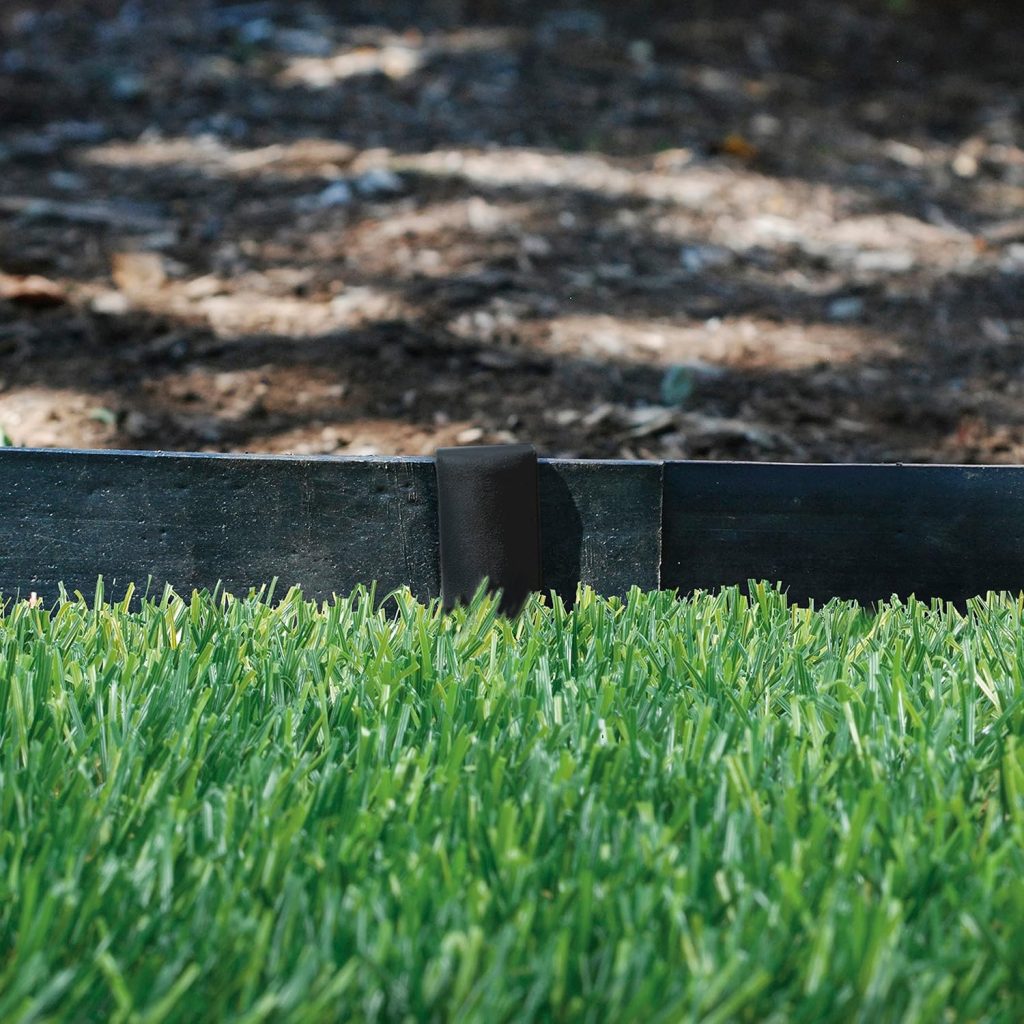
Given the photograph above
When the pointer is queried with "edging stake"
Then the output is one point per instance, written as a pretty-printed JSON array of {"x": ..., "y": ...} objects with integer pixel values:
[{"x": 489, "y": 522}]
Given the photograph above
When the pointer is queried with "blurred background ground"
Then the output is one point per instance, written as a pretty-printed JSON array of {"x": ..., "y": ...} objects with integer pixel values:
[{"x": 700, "y": 230}]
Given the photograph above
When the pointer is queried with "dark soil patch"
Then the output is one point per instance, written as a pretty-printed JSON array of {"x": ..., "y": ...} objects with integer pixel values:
[{"x": 789, "y": 233}]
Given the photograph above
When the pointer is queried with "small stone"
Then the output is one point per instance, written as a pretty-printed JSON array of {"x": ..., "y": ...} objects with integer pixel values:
[
  {"x": 469, "y": 436},
  {"x": 127, "y": 86},
  {"x": 66, "y": 181},
  {"x": 378, "y": 181},
  {"x": 225, "y": 382},
  {"x": 138, "y": 273},
  {"x": 903, "y": 153},
  {"x": 697, "y": 258},
  {"x": 997, "y": 331},
  {"x": 536, "y": 245},
  {"x": 206, "y": 428},
  {"x": 965, "y": 165},
  {"x": 765, "y": 125},
  {"x": 641, "y": 52},
  {"x": 109, "y": 303},
  {"x": 338, "y": 193},
  {"x": 259, "y": 30},
  {"x": 673, "y": 159},
  {"x": 138, "y": 425},
  {"x": 1013, "y": 259},
  {"x": 848, "y": 307}
]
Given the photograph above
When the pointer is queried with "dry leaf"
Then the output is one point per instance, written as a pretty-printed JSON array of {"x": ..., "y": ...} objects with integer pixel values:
[
  {"x": 32, "y": 290},
  {"x": 736, "y": 145}
]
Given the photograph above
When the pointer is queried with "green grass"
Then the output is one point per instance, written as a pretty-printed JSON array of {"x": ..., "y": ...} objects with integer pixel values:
[{"x": 656, "y": 809}]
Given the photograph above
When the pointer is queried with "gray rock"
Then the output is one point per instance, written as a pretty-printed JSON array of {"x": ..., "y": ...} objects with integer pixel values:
[
  {"x": 848, "y": 307},
  {"x": 127, "y": 86},
  {"x": 338, "y": 193},
  {"x": 378, "y": 181},
  {"x": 698, "y": 258}
]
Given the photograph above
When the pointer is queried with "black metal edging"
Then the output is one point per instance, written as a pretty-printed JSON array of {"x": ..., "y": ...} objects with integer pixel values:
[
  {"x": 859, "y": 532},
  {"x": 328, "y": 523},
  {"x": 323, "y": 522}
]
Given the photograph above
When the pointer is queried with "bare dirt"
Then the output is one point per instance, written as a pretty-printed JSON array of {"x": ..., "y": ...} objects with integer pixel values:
[{"x": 790, "y": 232}]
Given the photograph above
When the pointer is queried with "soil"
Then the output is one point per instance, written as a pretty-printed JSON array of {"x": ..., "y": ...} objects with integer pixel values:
[{"x": 786, "y": 232}]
